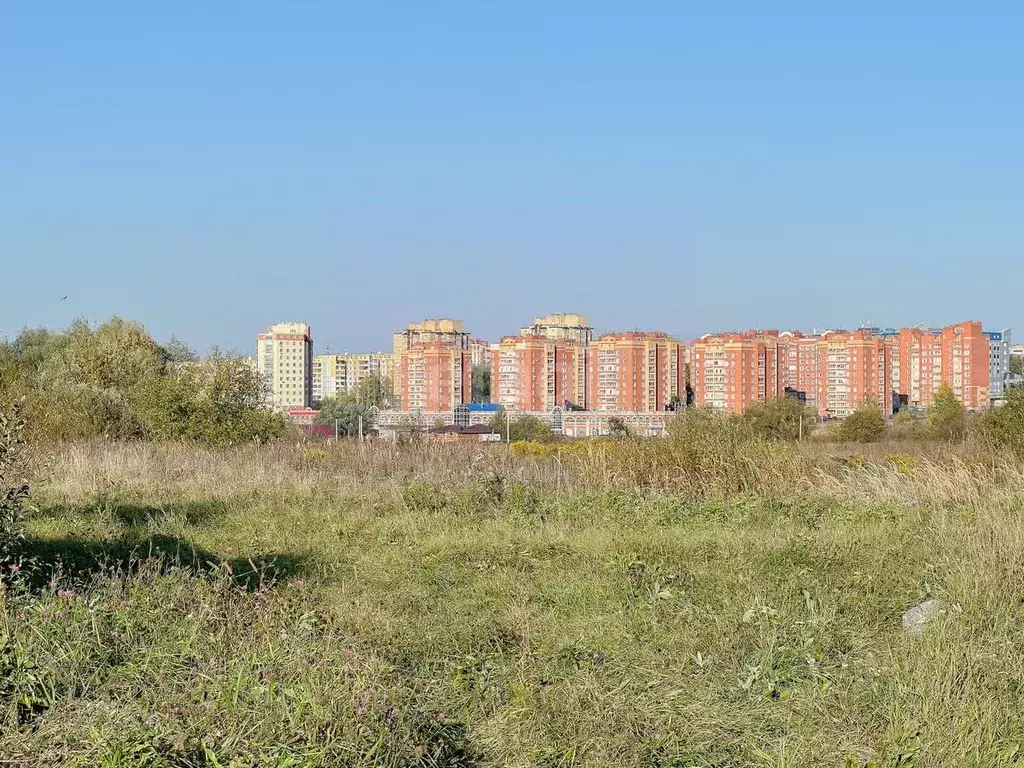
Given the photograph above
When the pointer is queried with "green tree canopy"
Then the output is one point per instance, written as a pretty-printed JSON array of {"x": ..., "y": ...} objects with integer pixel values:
[
  {"x": 1005, "y": 424},
  {"x": 344, "y": 413},
  {"x": 780, "y": 418},
  {"x": 864, "y": 425},
  {"x": 947, "y": 418},
  {"x": 374, "y": 389},
  {"x": 114, "y": 380},
  {"x": 523, "y": 428},
  {"x": 481, "y": 384}
]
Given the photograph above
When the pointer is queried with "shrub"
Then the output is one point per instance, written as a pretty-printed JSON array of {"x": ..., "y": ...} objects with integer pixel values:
[
  {"x": 13, "y": 490},
  {"x": 523, "y": 428},
  {"x": 903, "y": 463},
  {"x": 780, "y": 418},
  {"x": 115, "y": 381},
  {"x": 1005, "y": 425},
  {"x": 865, "y": 425},
  {"x": 947, "y": 418}
]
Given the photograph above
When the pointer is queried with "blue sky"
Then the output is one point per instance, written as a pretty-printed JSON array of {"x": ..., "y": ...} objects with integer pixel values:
[{"x": 210, "y": 168}]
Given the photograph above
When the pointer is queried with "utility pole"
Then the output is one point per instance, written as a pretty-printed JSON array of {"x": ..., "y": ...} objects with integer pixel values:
[
  {"x": 508, "y": 428},
  {"x": 335, "y": 430},
  {"x": 801, "y": 436},
  {"x": 360, "y": 427}
]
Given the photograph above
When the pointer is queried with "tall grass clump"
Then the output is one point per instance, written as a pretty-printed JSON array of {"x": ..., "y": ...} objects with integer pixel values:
[{"x": 705, "y": 454}]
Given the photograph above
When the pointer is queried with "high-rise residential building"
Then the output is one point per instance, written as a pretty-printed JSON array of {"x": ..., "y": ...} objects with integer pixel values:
[
  {"x": 834, "y": 372},
  {"x": 444, "y": 330},
  {"x": 731, "y": 371},
  {"x": 837, "y": 371},
  {"x": 284, "y": 360},
  {"x": 561, "y": 325},
  {"x": 480, "y": 352},
  {"x": 957, "y": 355},
  {"x": 999, "y": 363},
  {"x": 337, "y": 374},
  {"x": 435, "y": 377},
  {"x": 635, "y": 372},
  {"x": 534, "y": 373}
]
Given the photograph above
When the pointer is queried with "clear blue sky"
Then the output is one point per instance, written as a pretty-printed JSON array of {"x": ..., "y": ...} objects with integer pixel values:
[{"x": 210, "y": 168}]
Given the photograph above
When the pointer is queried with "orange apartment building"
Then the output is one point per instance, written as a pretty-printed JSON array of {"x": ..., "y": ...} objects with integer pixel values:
[
  {"x": 836, "y": 371},
  {"x": 634, "y": 372},
  {"x": 957, "y": 355},
  {"x": 536, "y": 373},
  {"x": 435, "y": 376},
  {"x": 731, "y": 371}
]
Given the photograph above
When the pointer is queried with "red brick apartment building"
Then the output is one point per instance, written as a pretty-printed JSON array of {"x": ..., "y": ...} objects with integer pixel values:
[
  {"x": 435, "y": 376},
  {"x": 635, "y": 371},
  {"x": 536, "y": 373},
  {"x": 730, "y": 371},
  {"x": 836, "y": 371},
  {"x": 957, "y": 355}
]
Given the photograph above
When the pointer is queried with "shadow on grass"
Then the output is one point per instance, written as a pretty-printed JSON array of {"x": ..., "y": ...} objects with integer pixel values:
[
  {"x": 193, "y": 513},
  {"x": 81, "y": 560}
]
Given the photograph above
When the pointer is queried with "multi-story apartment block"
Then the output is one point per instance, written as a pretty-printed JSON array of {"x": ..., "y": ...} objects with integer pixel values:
[
  {"x": 731, "y": 371},
  {"x": 480, "y": 352},
  {"x": 336, "y": 374},
  {"x": 284, "y": 360},
  {"x": 435, "y": 376},
  {"x": 838, "y": 371},
  {"x": 329, "y": 377},
  {"x": 635, "y": 372},
  {"x": 444, "y": 330},
  {"x": 535, "y": 373},
  {"x": 561, "y": 325},
  {"x": 957, "y": 355},
  {"x": 835, "y": 372},
  {"x": 999, "y": 363}
]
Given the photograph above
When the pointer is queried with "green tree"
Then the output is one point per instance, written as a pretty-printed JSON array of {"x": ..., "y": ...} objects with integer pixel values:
[
  {"x": 780, "y": 418},
  {"x": 114, "y": 380},
  {"x": 947, "y": 418},
  {"x": 1005, "y": 424},
  {"x": 481, "y": 384},
  {"x": 864, "y": 425},
  {"x": 617, "y": 427},
  {"x": 523, "y": 428},
  {"x": 374, "y": 389},
  {"x": 177, "y": 351},
  {"x": 1017, "y": 365},
  {"x": 344, "y": 413}
]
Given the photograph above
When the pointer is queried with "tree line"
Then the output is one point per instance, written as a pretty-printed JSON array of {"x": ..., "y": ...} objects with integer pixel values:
[{"x": 115, "y": 381}]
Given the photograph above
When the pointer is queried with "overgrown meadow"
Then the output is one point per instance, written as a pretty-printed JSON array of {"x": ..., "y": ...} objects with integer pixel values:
[{"x": 704, "y": 600}]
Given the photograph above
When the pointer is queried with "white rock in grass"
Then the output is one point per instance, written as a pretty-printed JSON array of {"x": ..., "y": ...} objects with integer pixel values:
[{"x": 916, "y": 616}]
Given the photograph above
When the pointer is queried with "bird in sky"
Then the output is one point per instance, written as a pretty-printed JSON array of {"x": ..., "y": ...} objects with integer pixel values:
[{"x": 63, "y": 298}]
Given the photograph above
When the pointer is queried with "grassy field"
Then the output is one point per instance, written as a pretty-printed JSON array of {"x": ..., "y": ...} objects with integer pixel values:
[{"x": 389, "y": 606}]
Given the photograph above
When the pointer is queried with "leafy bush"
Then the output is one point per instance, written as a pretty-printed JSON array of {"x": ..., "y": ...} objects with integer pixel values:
[
  {"x": 780, "y": 418},
  {"x": 13, "y": 490},
  {"x": 1005, "y": 425},
  {"x": 345, "y": 414},
  {"x": 523, "y": 428},
  {"x": 115, "y": 381},
  {"x": 865, "y": 425},
  {"x": 903, "y": 463},
  {"x": 947, "y": 418}
]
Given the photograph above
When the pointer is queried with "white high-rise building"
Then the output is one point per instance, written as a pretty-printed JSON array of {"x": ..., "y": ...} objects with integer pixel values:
[{"x": 284, "y": 360}]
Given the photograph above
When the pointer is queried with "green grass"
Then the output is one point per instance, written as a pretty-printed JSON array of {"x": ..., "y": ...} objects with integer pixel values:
[{"x": 396, "y": 620}]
